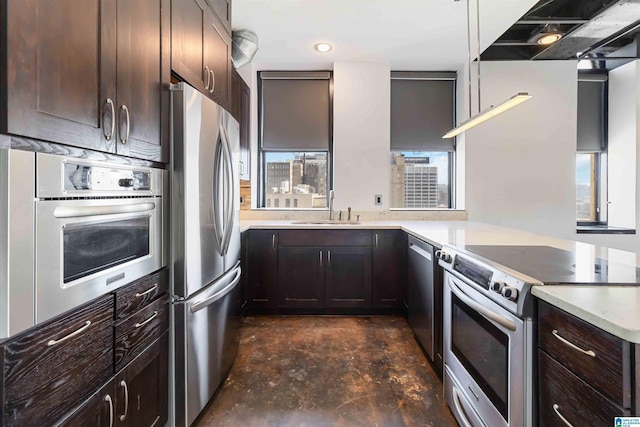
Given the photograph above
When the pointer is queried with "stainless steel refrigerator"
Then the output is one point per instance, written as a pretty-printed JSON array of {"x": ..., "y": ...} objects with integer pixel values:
[{"x": 205, "y": 242}]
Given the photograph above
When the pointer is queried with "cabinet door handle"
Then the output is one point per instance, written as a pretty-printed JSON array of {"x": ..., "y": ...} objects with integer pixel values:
[
  {"x": 126, "y": 135},
  {"x": 376, "y": 241},
  {"x": 153, "y": 316},
  {"x": 213, "y": 81},
  {"x": 107, "y": 398},
  {"x": 572, "y": 345},
  {"x": 273, "y": 242},
  {"x": 557, "y": 411},
  {"x": 148, "y": 291},
  {"x": 208, "y": 80},
  {"x": 113, "y": 121},
  {"x": 71, "y": 335},
  {"x": 241, "y": 167},
  {"x": 320, "y": 258},
  {"x": 328, "y": 257},
  {"x": 123, "y": 384}
]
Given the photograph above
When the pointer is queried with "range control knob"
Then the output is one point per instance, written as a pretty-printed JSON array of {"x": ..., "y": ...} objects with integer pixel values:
[
  {"x": 443, "y": 256},
  {"x": 497, "y": 286},
  {"x": 510, "y": 293}
]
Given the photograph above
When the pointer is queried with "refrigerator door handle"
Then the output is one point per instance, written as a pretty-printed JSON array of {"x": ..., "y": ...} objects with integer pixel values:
[
  {"x": 218, "y": 232},
  {"x": 229, "y": 191},
  {"x": 199, "y": 305}
]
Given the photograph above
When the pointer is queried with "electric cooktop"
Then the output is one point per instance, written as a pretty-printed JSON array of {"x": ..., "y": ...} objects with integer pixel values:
[{"x": 554, "y": 266}]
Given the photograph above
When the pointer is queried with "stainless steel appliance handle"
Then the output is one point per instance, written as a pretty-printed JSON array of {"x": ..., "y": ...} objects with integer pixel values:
[
  {"x": 217, "y": 231},
  {"x": 207, "y": 81},
  {"x": 107, "y": 398},
  {"x": 230, "y": 193},
  {"x": 572, "y": 345},
  {"x": 420, "y": 251},
  {"x": 82, "y": 211},
  {"x": 141, "y": 324},
  {"x": 109, "y": 102},
  {"x": 458, "y": 405},
  {"x": 123, "y": 384},
  {"x": 502, "y": 321},
  {"x": 556, "y": 409},
  {"x": 199, "y": 305},
  {"x": 71, "y": 335},
  {"x": 148, "y": 291}
]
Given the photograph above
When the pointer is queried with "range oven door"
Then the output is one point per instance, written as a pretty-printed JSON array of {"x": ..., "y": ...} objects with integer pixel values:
[
  {"x": 487, "y": 353},
  {"x": 86, "y": 248}
]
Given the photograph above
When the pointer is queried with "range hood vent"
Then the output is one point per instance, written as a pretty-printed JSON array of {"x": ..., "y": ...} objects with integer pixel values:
[{"x": 244, "y": 47}]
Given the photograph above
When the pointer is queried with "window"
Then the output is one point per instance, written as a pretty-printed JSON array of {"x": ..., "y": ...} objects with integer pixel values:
[
  {"x": 422, "y": 110},
  {"x": 295, "y": 138},
  {"x": 591, "y": 150}
]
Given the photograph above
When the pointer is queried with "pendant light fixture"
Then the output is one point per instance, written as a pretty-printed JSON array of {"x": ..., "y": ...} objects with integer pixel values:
[{"x": 493, "y": 110}]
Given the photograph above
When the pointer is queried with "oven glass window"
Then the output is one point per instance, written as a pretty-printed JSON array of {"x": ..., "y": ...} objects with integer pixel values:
[
  {"x": 89, "y": 248},
  {"x": 484, "y": 352}
]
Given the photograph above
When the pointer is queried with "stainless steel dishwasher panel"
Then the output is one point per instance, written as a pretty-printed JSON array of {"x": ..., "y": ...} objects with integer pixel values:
[
  {"x": 421, "y": 293},
  {"x": 206, "y": 340}
]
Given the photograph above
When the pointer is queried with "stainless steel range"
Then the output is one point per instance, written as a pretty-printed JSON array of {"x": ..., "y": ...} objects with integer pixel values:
[{"x": 488, "y": 341}]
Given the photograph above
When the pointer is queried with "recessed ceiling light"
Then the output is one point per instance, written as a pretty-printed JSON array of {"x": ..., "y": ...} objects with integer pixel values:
[
  {"x": 547, "y": 39},
  {"x": 322, "y": 47}
]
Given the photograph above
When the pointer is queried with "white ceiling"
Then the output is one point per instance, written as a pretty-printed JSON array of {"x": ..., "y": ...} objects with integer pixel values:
[{"x": 406, "y": 34}]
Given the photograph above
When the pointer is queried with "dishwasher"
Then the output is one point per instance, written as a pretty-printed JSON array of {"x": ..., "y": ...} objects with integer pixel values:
[{"x": 420, "y": 293}]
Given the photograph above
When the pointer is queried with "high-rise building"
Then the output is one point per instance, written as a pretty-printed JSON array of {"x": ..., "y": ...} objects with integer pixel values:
[
  {"x": 414, "y": 182},
  {"x": 278, "y": 177}
]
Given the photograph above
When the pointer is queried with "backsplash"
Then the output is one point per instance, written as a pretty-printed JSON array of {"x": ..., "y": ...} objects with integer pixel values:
[{"x": 312, "y": 214}]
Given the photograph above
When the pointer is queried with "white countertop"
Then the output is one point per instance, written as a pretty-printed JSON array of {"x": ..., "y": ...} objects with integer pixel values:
[{"x": 616, "y": 309}]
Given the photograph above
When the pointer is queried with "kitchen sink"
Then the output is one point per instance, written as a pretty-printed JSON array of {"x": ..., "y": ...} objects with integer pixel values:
[{"x": 326, "y": 222}]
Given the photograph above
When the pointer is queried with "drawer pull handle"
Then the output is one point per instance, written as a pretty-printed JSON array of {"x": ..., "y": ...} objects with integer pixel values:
[
  {"x": 564, "y": 420},
  {"x": 138, "y": 325},
  {"x": 572, "y": 345},
  {"x": 148, "y": 291},
  {"x": 107, "y": 398},
  {"x": 123, "y": 384},
  {"x": 71, "y": 335}
]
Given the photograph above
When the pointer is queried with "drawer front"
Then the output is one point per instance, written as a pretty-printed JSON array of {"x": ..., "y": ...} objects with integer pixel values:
[
  {"x": 53, "y": 368},
  {"x": 605, "y": 370},
  {"x": 135, "y": 333},
  {"x": 325, "y": 237},
  {"x": 572, "y": 398},
  {"x": 133, "y": 297}
]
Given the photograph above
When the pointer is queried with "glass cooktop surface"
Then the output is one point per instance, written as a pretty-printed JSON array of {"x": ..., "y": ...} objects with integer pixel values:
[{"x": 553, "y": 266}]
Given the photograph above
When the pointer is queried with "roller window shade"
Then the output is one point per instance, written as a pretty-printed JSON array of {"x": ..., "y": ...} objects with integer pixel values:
[
  {"x": 295, "y": 112},
  {"x": 421, "y": 112},
  {"x": 591, "y": 116}
]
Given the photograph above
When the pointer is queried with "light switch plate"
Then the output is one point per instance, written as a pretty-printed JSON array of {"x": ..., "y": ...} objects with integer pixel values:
[{"x": 378, "y": 199}]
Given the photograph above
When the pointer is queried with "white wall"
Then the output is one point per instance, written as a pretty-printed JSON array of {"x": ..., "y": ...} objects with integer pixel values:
[
  {"x": 361, "y": 133},
  {"x": 520, "y": 166},
  {"x": 623, "y": 112}
]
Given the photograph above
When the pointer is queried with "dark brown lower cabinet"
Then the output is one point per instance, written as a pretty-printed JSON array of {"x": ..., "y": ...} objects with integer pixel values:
[
  {"x": 348, "y": 277},
  {"x": 301, "y": 277},
  {"x": 263, "y": 269},
  {"x": 137, "y": 396},
  {"x": 388, "y": 269}
]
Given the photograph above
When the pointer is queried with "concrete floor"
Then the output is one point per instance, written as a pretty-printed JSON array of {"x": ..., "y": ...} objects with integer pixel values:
[{"x": 328, "y": 371}]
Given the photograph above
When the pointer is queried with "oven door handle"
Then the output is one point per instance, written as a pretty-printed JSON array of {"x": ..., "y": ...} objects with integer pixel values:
[
  {"x": 81, "y": 211},
  {"x": 458, "y": 405},
  {"x": 491, "y": 315}
]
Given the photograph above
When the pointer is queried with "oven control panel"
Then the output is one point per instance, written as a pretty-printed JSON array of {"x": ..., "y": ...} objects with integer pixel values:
[{"x": 504, "y": 286}]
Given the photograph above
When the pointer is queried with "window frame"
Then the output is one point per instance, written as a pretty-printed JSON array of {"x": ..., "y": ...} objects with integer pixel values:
[
  {"x": 434, "y": 75},
  {"x": 262, "y": 167}
]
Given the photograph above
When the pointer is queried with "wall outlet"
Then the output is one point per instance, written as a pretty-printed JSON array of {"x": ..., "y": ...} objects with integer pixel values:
[{"x": 378, "y": 199}]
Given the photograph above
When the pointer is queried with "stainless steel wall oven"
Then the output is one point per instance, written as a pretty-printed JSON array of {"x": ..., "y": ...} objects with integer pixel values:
[{"x": 95, "y": 226}]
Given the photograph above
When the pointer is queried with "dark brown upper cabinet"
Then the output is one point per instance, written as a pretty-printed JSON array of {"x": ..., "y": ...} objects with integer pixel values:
[
  {"x": 222, "y": 8},
  {"x": 87, "y": 73},
  {"x": 201, "y": 49},
  {"x": 241, "y": 110}
]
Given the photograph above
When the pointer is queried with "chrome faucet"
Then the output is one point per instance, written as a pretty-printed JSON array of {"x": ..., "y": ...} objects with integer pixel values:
[{"x": 331, "y": 196}]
